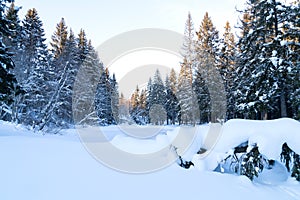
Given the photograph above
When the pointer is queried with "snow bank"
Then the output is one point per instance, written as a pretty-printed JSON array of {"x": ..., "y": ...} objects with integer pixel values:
[
  {"x": 269, "y": 136},
  {"x": 49, "y": 167}
]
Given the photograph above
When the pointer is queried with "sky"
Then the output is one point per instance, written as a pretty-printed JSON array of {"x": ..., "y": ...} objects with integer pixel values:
[{"x": 103, "y": 19}]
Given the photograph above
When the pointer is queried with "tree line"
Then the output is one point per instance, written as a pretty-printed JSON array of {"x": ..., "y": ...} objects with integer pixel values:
[
  {"x": 253, "y": 76},
  {"x": 37, "y": 81}
]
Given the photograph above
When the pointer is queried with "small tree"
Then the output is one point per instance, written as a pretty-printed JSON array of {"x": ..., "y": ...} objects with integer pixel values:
[
  {"x": 296, "y": 167},
  {"x": 251, "y": 164}
]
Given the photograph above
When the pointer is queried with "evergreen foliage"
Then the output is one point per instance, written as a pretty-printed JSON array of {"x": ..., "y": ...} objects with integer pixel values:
[
  {"x": 8, "y": 83},
  {"x": 252, "y": 163},
  {"x": 266, "y": 70},
  {"x": 291, "y": 160}
]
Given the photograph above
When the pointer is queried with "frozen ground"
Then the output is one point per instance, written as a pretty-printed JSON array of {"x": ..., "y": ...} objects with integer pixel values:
[{"x": 48, "y": 167}]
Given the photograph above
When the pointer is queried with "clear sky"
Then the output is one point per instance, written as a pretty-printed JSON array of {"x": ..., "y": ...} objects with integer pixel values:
[{"x": 103, "y": 19}]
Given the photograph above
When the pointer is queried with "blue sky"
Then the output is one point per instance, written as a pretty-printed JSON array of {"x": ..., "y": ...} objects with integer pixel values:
[{"x": 104, "y": 19}]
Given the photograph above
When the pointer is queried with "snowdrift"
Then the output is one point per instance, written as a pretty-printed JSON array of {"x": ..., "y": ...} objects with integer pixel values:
[
  {"x": 35, "y": 166},
  {"x": 268, "y": 136}
]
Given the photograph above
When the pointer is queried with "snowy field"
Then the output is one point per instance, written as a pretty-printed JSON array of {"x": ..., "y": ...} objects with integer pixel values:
[{"x": 58, "y": 167}]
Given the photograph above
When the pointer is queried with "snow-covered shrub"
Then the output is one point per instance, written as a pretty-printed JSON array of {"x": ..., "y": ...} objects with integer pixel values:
[
  {"x": 244, "y": 160},
  {"x": 286, "y": 156},
  {"x": 291, "y": 160},
  {"x": 252, "y": 163},
  {"x": 296, "y": 167}
]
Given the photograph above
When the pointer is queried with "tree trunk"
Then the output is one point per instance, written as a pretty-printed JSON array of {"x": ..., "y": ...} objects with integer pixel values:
[{"x": 283, "y": 104}]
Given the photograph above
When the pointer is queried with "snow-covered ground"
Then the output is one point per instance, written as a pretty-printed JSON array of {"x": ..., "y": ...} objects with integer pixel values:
[{"x": 41, "y": 167}]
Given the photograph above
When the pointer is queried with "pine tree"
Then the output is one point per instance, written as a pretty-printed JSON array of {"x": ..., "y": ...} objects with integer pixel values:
[
  {"x": 208, "y": 67},
  {"x": 135, "y": 106},
  {"x": 35, "y": 80},
  {"x": 157, "y": 99},
  {"x": 203, "y": 98},
  {"x": 12, "y": 41},
  {"x": 66, "y": 63},
  {"x": 171, "y": 104},
  {"x": 252, "y": 163},
  {"x": 114, "y": 99},
  {"x": 124, "y": 116},
  {"x": 82, "y": 45},
  {"x": 91, "y": 79},
  {"x": 7, "y": 79},
  {"x": 148, "y": 99},
  {"x": 296, "y": 167},
  {"x": 186, "y": 96},
  {"x": 173, "y": 81},
  {"x": 158, "y": 89},
  {"x": 188, "y": 46},
  {"x": 59, "y": 38},
  {"x": 227, "y": 69},
  {"x": 291, "y": 37},
  {"x": 265, "y": 61},
  {"x": 103, "y": 100},
  {"x": 285, "y": 156},
  {"x": 291, "y": 160},
  {"x": 208, "y": 37}
]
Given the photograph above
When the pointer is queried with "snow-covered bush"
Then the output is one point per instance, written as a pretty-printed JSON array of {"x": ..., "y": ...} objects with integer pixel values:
[
  {"x": 247, "y": 160},
  {"x": 244, "y": 160},
  {"x": 252, "y": 163},
  {"x": 291, "y": 160}
]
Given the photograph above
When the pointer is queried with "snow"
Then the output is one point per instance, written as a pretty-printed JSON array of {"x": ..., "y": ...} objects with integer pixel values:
[
  {"x": 274, "y": 176},
  {"x": 268, "y": 135},
  {"x": 283, "y": 42},
  {"x": 36, "y": 166}
]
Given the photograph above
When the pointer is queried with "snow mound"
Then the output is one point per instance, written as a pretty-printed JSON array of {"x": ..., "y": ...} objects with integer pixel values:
[
  {"x": 273, "y": 176},
  {"x": 268, "y": 135}
]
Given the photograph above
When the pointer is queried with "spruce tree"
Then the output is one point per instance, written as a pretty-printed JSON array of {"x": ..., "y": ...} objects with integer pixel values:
[
  {"x": 188, "y": 46},
  {"x": 124, "y": 116},
  {"x": 82, "y": 45},
  {"x": 251, "y": 163},
  {"x": 59, "y": 38},
  {"x": 171, "y": 104},
  {"x": 173, "y": 81},
  {"x": 36, "y": 81},
  {"x": 7, "y": 79},
  {"x": 91, "y": 79},
  {"x": 291, "y": 37},
  {"x": 296, "y": 167},
  {"x": 186, "y": 96},
  {"x": 227, "y": 69},
  {"x": 135, "y": 106},
  {"x": 148, "y": 98},
  {"x": 203, "y": 98},
  {"x": 264, "y": 61},
  {"x": 103, "y": 101},
  {"x": 114, "y": 99},
  {"x": 12, "y": 41},
  {"x": 157, "y": 98},
  {"x": 158, "y": 89},
  {"x": 208, "y": 67},
  {"x": 66, "y": 63},
  {"x": 208, "y": 37}
]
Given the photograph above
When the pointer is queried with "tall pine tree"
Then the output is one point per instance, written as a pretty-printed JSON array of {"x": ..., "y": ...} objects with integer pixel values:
[
  {"x": 35, "y": 80},
  {"x": 264, "y": 65},
  {"x": 208, "y": 70},
  {"x": 7, "y": 79}
]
